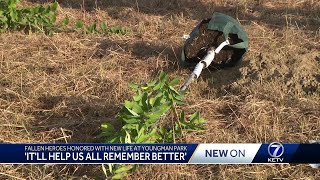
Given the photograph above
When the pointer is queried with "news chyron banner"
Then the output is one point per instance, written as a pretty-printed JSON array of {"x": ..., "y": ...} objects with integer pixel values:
[{"x": 159, "y": 153}]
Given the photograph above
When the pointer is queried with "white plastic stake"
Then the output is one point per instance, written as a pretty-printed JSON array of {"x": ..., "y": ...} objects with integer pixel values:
[
  {"x": 207, "y": 60},
  {"x": 223, "y": 44},
  {"x": 198, "y": 69},
  {"x": 211, "y": 53}
]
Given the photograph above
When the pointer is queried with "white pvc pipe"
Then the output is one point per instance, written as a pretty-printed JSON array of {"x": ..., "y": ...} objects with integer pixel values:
[
  {"x": 207, "y": 60},
  {"x": 198, "y": 69},
  {"x": 223, "y": 44}
]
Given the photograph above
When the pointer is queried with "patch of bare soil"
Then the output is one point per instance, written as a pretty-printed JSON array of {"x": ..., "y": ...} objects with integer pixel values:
[{"x": 300, "y": 72}]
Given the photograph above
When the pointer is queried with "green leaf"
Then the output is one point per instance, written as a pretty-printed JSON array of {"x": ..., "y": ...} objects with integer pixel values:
[
  {"x": 137, "y": 98},
  {"x": 178, "y": 97},
  {"x": 131, "y": 121},
  {"x": 119, "y": 176},
  {"x": 177, "y": 128},
  {"x": 107, "y": 129},
  {"x": 104, "y": 170},
  {"x": 130, "y": 126},
  {"x": 163, "y": 76},
  {"x": 182, "y": 117},
  {"x": 66, "y": 20},
  {"x": 162, "y": 130},
  {"x": 194, "y": 116},
  {"x": 142, "y": 139},
  {"x": 158, "y": 86},
  {"x": 127, "y": 139},
  {"x": 157, "y": 102},
  {"x": 136, "y": 108},
  {"x": 118, "y": 30},
  {"x": 157, "y": 113},
  {"x": 128, "y": 104},
  {"x": 175, "y": 91},
  {"x": 154, "y": 134},
  {"x": 131, "y": 112},
  {"x": 115, "y": 139},
  {"x": 170, "y": 136},
  {"x": 179, "y": 102},
  {"x": 133, "y": 85},
  {"x": 124, "y": 169},
  {"x": 103, "y": 27},
  {"x": 144, "y": 101},
  {"x": 79, "y": 24},
  {"x": 110, "y": 167},
  {"x": 141, "y": 136},
  {"x": 174, "y": 82},
  {"x": 200, "y": 121},
  {"x": 151, "y": 101},
  {"x": 54, "y": 6},
  {"x": 92, "y": 28},
  {"x": 152, "y": 83},
  {"x": 141, "y": 131},
  {"x": 12, "y": 4}
]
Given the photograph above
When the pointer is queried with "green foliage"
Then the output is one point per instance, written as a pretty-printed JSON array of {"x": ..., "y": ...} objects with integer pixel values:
[
  {"x": 91, "y": 28},
  {"x": 103, "y": 29},
  {"x": 33, "y": 18},
  {"x": 118, "y": 30},
  {"x": 65, "y": 20},
  {"x": 79, "y": 24},
  {"x": 141, "y": 118},
  {"x": 43, "y": 18}
]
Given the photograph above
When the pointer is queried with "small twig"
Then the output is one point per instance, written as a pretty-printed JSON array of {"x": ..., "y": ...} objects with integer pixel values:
[
  {"x": 64, "y": 135},
  {"x": 174, "y": 109},
  {"x": 12, "y": 125},
  {"x": 137, "y": 5},
  {"x": 173, "y": 133},
  {"x": 175, "y": 113}
]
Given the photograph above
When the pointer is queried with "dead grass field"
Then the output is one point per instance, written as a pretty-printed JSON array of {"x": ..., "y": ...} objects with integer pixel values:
[{"x": 60, "y": 88}]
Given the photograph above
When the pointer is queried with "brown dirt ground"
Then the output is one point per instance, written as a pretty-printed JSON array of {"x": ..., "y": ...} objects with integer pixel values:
[{"x": 60, "y": 88}]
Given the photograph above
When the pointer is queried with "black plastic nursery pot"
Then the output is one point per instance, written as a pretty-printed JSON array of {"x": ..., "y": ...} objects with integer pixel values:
[{"x": 210, "y": 33}]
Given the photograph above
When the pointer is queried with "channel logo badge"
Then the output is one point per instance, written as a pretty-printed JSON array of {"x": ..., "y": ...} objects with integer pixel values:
[{"x": 275, "y": 150}]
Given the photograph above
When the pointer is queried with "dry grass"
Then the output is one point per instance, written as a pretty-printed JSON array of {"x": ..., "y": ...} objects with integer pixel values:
[{"x": 60, "y": 88}]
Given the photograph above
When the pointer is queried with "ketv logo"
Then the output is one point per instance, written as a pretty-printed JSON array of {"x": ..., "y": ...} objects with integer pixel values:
[{"x": 275, "y": 150}]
